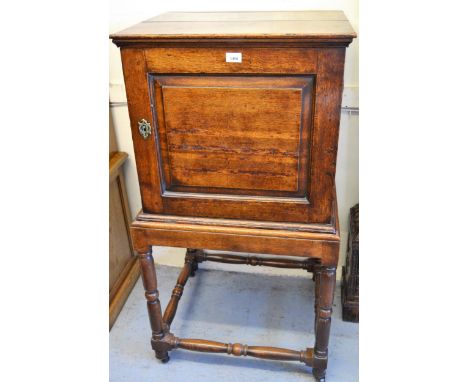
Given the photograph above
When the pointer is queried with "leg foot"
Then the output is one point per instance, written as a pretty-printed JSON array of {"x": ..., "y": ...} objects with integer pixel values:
[
  {"x": 319, "y": 374},
  {"x": 162, "y": 345},
  {"x": 163, "y": 357}
]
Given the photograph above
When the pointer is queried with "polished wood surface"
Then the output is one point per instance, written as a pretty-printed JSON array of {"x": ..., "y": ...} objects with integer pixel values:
[
  {"x": 238, "y": 239},
  {"x": 264, "y": 352},
  {"x": 118, "y": 295},
  {"x": 187, "y": 270},
  {"x": 308, "y": 264},
  {"x": 205, "y": 147},
  {"x": 316, "y": 98},
  {"x": 241, "y": 155},
  {"x": 113, "y": 148},
  {"x": 269, "y": 60},
  {"x": 123, "y": 265},
  {"x": 326, "y": 277},
  {"x": 115, "y": 164},
  {"x": 312, "y": 25},
  {"x": 120, "y": 247},
  {"x": 238, "y": 223}
]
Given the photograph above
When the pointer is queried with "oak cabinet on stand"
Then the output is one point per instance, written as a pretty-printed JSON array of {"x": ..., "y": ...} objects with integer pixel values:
[{"x": 235, "y": 120}]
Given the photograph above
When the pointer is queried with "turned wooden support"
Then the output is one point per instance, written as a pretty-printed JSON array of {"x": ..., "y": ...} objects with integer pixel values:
[
  {"x": 187, "y": 270},
  {"x": 316, "y": 278},
  {"x": 148, "y": 273},
  {"x": 307, "y": 264},
  {"x": 171, "y": 342},
  {"x": 325, "y": 288},
  {"x": 163, "y": 341}
]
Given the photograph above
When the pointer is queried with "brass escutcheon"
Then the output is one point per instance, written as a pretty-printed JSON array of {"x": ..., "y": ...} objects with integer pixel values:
[{"x": 145, "y": 128}]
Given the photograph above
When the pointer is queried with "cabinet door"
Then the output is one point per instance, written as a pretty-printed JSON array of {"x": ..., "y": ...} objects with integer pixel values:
[{"x": 227, "y": 145}]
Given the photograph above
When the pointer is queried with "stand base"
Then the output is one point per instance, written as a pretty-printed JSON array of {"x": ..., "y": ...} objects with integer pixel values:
[{"x": 165, "y": 341}]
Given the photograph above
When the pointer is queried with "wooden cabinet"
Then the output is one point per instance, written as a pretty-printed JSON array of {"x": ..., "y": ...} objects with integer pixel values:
[
  {"x": 255, "y": 139},
  {"x": 123, "y": 265},
  {"x": 235, "y": 120}
]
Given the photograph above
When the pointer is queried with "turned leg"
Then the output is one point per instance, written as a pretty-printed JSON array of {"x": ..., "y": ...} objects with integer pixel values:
[
  {"x": 187, "y": 270},
  {"x": 148, "y": 273},
  {"x": 317, "y": 283},
  {"x": 324, "y": 291}
]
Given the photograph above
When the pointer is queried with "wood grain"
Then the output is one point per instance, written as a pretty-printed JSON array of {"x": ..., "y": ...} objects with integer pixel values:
[
  {"x": 264, "y": 352},
  {"x": 320, "y": 246},
  {"x": 178, "y": 290},
  {"x": 120, "y": 248},
  {"x": 205, "y": 173},
  {"x": 324, "y": 297},
  {"x": 324, "y": 148},
  {"x": 311, "y": 25},
  {"x": 112, "y": 138},
  {"x": 242, "y": 136},
  {"x": 241, "y": 133},
  {"x": 139, "y": 107},
  {"x": 115, "y": 163},
  {"x": 213, "y": 60},
  {"x": 295, "y": 227},
  {"x": 275, "y": 262},
  {"x": 123, "y": 271},
  {"x": 119, "y": 296}
]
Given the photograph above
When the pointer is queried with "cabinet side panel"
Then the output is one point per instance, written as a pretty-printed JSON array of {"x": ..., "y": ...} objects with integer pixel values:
[{"x": 329, "y": 89}]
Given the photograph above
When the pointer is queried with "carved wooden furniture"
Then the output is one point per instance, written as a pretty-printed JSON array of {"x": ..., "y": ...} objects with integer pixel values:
[
  {"x": 235, "y": 120},
  {"x": 123, "y": 265},
  {"x": 350, "y": 273}
]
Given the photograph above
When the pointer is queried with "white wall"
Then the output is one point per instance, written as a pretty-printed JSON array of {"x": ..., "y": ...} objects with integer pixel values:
[{"x": 125, "y": 13}]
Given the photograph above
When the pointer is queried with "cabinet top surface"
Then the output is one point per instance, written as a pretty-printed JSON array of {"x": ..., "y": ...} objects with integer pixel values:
[{"x": 304, "y": 25}]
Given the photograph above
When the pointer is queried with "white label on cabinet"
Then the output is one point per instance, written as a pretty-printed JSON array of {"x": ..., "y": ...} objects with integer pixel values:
[{"x": 233, "y": 57}]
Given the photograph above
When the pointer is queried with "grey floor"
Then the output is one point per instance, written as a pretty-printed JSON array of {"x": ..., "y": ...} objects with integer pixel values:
[{"x": 230, "y": 307}]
